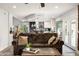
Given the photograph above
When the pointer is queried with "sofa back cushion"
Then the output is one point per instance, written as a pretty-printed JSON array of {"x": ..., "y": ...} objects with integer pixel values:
[{"x": 41, "y": 37}]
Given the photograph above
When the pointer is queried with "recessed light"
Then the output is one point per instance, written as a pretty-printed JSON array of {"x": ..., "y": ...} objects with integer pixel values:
[
  {"x": 56, "y": 6},
  {"x": 14, "y": 6}
]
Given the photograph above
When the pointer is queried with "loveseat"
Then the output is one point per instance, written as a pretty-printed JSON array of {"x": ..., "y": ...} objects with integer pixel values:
[{"x": 38, "y": 40}]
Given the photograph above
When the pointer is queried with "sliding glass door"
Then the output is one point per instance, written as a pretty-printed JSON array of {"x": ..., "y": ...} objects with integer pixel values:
[
  {"x": 73, "y": 32},
  {"x": 66, "y": 34},
  {"x": 67, "y": 29},
  {"x": 70, "y": 33}
]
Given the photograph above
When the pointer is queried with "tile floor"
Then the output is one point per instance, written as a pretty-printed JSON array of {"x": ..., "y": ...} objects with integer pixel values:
[{"x": 67, "y": 51}]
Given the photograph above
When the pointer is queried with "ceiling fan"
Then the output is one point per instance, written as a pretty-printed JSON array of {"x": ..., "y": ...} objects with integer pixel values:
[{"x": 41, "y": 4}]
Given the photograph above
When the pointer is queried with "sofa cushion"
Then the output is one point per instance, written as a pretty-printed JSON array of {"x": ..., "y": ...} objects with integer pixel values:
[
  {"x": 40, "y": 45},
  {"x": 51, "y": 39}
]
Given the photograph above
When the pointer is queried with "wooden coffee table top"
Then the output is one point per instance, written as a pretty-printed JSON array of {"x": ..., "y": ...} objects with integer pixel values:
[{"x": 43, "y": 52}]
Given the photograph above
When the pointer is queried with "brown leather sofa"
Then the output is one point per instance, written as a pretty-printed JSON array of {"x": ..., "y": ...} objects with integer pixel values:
[{"x": 38, "y": 40}]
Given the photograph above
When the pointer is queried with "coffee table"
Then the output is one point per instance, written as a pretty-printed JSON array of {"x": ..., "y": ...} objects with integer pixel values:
[{"x": 43, "y": 52}]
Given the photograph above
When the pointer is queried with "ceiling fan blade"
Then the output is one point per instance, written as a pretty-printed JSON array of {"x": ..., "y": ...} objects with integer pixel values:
[{"x": 25, "y": 3}]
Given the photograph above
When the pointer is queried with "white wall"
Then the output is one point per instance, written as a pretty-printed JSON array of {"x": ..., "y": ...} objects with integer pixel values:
[
  {"x": 3, "y": 29},
  {"x": 5, "y": 24},
  {"x": 50, "y": 24},
  {"x": 53, "y": 24},
  {"x": 10, "y": 26},
  {"x": 47, "y": 24},
  {"x": 16, "y": 22}
]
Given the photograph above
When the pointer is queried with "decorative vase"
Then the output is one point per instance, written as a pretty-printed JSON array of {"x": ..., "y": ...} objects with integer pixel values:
[{"x": 28, "y": 49}]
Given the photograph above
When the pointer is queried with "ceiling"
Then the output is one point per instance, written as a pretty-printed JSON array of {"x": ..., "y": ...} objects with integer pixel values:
[{"x": 22, "y": 10}]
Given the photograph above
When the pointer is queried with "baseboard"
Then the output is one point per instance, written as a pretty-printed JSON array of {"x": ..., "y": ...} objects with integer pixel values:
[
  {"x": 77, "y": 53},
  {"x": 1, "y": 49}
]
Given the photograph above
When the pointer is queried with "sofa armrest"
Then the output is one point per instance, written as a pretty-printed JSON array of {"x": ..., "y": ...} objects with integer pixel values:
[
  {"x": 61, "y": 42},
  {"x": 17, "y": 49},
  {"x": 14, "y": 43},
  {"x": 59, "y": 45}
]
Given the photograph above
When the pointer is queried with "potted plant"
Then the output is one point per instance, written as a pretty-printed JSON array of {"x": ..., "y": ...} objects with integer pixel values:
[{"x": 28, "y": 46}]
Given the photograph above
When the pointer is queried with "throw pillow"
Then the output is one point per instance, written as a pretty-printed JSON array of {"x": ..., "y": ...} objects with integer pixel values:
[
  {"x": 55, "y": 42},
  {"x": 23, "y": 40},
  {"x": 51, "y": 39}
]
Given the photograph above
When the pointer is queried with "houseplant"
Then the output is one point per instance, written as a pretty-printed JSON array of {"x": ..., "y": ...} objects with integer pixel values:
[{"x": 28, "y": 46}]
